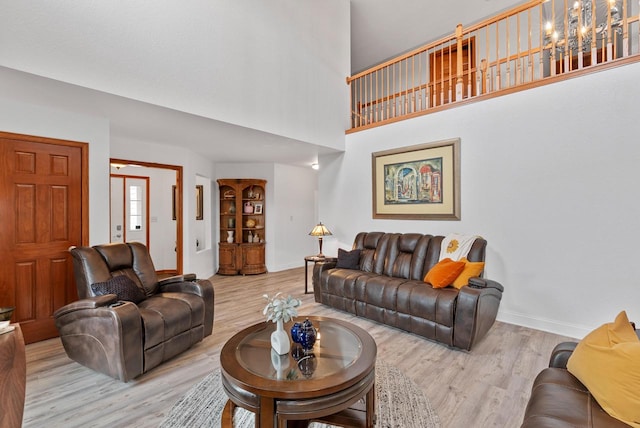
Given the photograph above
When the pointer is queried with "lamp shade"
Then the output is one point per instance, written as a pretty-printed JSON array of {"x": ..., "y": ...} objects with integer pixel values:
[{"x": 320, "y": 230}]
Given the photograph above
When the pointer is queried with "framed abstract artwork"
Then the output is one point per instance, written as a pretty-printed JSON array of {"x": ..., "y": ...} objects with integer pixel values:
[
  {"x": 419, "y": 182},
  {"x": 174, "y": 202},
  {"x": 199, "y": 202}
]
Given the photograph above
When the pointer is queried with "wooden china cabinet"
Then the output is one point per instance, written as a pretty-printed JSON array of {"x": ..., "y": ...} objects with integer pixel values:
[{"x": 242, "y": 226}]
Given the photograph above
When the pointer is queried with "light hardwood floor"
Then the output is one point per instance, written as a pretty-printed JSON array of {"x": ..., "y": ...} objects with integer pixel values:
[{"x": 487, "y": 387}]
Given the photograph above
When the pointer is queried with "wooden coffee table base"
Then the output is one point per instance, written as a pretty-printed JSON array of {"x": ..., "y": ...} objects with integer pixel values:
[{"x": 344, "y": 408}]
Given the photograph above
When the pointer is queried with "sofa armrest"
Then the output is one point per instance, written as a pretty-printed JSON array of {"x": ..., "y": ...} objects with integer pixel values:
[
  {"x": 318, "y": 269},
  {"x": 89, "y": 303},
  {"x": 485, "y": 283},
  {"x": 107, "y": 337},
  {"x": 199, "y": 287},
  {"x": 476, "y": 311},
  {"x": 177, "y": 278},
  {"x": 561, "y": 353}
]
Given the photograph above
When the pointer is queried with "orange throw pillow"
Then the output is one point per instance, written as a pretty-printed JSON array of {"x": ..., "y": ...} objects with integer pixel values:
[
  {"x": 471, "y": 270},
  {"x": 444, "y": 273},
  {"x": 607, "y": 362}
]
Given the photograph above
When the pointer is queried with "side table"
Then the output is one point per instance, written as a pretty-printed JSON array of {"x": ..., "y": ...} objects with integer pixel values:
[
  {"x": 13, "y": 377},
  {"x": 314, "y": 259}
]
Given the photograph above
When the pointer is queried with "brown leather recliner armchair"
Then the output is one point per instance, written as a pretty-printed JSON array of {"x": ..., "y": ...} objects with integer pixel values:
[
  {"x": 113, "y": 335},
  {"x": 558, "y": 399}
]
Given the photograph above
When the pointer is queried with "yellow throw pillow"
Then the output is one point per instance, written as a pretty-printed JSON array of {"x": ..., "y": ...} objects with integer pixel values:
[
  {"x": 607, "y": 362},
  {"x": 444, "y": 273},
  {"x": 471, "y": 270}
]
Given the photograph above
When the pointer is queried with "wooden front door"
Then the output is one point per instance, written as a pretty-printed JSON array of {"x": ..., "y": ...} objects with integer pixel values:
[{"x": 43, "y": 210}]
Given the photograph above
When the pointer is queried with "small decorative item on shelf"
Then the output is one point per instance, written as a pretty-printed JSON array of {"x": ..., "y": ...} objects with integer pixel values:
[
  {"x": 231, "y": 222},
  {"x": 248, "y": 207},
  {"x": 307, "y": 335},
  {"x": 250, "y": 223},
  {"x": 256, "y": 238},
  {"x": 295, "y": 332},
  {"x": 232, "y": 209},
  {"x": 230, "y": 236},
  {"x": 250, "y": 193},
  {"x": 250, "y": 237},
  {"x": 229, "y": 194},
  {"x": 280, "y": 310}
]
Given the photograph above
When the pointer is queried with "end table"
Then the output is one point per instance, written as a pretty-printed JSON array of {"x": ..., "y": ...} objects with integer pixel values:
[{"x": 314, "y": 259}]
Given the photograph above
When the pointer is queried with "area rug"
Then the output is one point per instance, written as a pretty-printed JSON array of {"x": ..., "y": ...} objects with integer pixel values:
[{"x": 399, "y": 403}]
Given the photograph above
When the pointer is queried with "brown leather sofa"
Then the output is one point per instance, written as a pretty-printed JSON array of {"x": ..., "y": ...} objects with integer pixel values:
[
  {"x": 559, "y": 400},
  {"x": 388, "y": 288},
  {"x": 123, "y": 339}
]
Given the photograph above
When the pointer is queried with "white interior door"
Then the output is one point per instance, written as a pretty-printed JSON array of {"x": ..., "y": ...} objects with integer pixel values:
[{"x": 136, "y": 209}]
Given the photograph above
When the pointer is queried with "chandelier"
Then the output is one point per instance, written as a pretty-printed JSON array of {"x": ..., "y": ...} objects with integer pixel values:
[{"x": 580, "y": 26}]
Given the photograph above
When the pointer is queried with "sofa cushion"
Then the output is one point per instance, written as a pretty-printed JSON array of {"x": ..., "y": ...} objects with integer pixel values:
[
  {"x": 471, "y": 270},
  {"x": 444, "y": 273},
  {"x": 122, "y": 286},
  {"x": 348, "y": 259},
  {"x": 172, "y": 316},
  {"x": 437, "y": 305},
  {"x": 607, "y": 362}
]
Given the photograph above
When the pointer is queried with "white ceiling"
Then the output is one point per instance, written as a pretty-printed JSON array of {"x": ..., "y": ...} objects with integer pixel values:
[{"x": 380, "y": 29}]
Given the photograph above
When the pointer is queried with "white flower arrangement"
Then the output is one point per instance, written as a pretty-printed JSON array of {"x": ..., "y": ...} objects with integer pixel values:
[{"x": 280, "y": 308}]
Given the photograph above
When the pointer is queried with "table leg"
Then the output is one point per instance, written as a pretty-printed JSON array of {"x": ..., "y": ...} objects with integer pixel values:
[
  {"x": 227, "y": 415},
  {"x": 266, "y": 418},
  {"x": 306, "y": 277},
  {"x": 371, "y": 406}
]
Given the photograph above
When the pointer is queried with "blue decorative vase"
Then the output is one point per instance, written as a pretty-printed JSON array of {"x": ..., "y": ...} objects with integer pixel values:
[
  {"x": 307, "y": 336},
  {"x": 295, "y": 332}
]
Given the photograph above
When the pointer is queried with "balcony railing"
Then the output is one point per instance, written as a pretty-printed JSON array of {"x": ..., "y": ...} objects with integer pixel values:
[{"x": 536, "y": 43}]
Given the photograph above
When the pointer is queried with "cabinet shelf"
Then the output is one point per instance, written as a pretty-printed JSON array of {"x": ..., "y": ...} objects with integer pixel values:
[{"x": 241, "y": 256}]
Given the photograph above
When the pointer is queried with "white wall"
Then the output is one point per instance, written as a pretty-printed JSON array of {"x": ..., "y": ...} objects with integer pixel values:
[
  {"x": 549, "y": 178},
  {"x": 289, "y": 209},
  {"x": 23, "y": 118},
  {"x": 277, "y": 66},
  {"x": 294, "y": 215}
]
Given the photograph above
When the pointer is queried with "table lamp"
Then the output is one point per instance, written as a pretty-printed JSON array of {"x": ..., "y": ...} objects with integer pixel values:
[{"x": 320, "y": 230}]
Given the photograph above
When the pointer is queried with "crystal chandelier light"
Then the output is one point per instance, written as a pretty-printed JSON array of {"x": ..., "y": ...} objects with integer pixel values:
[{"x": 581, "y": 28}]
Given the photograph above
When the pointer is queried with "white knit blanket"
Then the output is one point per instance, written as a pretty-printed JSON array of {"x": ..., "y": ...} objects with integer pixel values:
[{"x": 456, "y": 246}]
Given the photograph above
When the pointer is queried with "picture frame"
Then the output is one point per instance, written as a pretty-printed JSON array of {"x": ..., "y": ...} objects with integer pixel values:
[
  {"x": 199, "y": 202},
  {"x": 174, "y": 202},
  {"x": 420, "y": 182},
  {"x": 257, "y": 208}
]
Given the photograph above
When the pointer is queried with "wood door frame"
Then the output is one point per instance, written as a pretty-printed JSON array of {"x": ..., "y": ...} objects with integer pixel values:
[
  {"x": 179, "y": 199},
  {"x": 84, "y": 173}
]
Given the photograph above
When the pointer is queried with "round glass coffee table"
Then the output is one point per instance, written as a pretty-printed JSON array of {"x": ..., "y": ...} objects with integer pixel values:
[{"x": 325, "y": 384}]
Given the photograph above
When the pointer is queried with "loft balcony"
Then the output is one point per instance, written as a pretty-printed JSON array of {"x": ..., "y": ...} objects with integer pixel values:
[{"x": 537, "y": 43}]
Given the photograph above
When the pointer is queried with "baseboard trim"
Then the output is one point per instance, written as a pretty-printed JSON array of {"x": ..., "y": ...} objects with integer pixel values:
[{"x": 570, "y": 330}]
